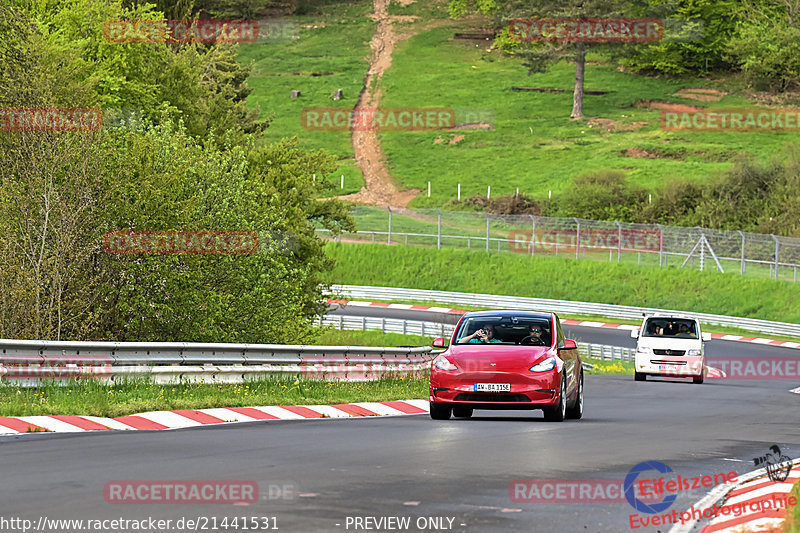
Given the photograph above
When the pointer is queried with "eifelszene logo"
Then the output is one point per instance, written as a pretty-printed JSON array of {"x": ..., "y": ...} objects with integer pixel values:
[{"x": 778, "y": 466}]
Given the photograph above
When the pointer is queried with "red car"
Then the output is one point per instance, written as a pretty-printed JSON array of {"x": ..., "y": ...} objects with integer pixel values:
[{"x": 507, "y": 360}]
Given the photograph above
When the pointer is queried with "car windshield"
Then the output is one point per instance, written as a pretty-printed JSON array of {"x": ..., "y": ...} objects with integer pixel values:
[
  {"x": 670, "y": 327},
  {"x": 512, "y": 330}
]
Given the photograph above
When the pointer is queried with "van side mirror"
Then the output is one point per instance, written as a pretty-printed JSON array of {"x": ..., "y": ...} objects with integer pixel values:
[
  {"x": 635, "y": 333},
  {"x": 438, "y": 342}
]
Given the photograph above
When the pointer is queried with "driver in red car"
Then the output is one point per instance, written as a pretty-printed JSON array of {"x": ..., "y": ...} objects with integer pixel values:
[{"x": 483, "y": 335}]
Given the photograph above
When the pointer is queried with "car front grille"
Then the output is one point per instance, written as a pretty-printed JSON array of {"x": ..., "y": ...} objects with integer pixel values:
[
  {"x": 471, "y": 397},
  {"x": 669, "y": 352}
]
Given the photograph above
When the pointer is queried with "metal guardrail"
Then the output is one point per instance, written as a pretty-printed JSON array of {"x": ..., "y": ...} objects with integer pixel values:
[
  {"x": 28, "y": 362},
  {"x": 607, "y": 352},
  {"x": 388, "y": 325},
  {"x": 559, "y": 306}
]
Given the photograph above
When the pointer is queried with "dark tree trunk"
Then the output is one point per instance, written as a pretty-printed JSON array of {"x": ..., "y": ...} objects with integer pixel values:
[{"x": 580, "y": 67}]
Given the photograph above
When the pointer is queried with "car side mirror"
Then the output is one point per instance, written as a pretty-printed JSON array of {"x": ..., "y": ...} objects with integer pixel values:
[
  {"x": 634, "y": 333},
  {"x": 569, "y": 344},
  {"x": 706, "y": 337},
  {"x": 438, "y": 342}
]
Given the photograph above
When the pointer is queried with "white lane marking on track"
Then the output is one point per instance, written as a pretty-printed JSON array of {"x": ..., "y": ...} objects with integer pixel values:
[
  {"x": 730, "y": 337},
  {"x": 591, "y": 324},
  {"x": 759, "y": 340},
  {"x": 400, "y": 306},
  {"x": 8, "y": 431},
  {"x": 358, "y": 304},
  {"x": 50, "y": 423},
  {"x": 170, "y": 419}
]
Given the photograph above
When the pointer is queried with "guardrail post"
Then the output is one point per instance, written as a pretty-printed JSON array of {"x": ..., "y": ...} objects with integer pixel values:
[
  {"x": 577, "y": 237},
  {"x": 743, "y": 260},
  {"x": 389, "y": 240},
  {"x": 383, "y": 324},
  {"x": 487, "y": 232},
  {"x": 439, "y": 231},
  {"x": 777, "y": 248},
  {"x": 363, "y": 323},
  {"x": 533, "y": 235},
  {"x": 341, "y": 321}
]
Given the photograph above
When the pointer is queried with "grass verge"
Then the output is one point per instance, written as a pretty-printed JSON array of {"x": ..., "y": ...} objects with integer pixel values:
[
  {"x": 792, "y": 524},
  {"x": 561, "y": 278},
  {"x": 602, "y": 366},
  {"x": 137, "y": 396}
]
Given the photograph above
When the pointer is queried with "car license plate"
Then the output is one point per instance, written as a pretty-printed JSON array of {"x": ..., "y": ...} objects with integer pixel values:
[{"x": 493, "y": 387}]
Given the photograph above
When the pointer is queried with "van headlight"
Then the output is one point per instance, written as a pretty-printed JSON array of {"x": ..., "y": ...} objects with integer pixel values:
[
  {"x": 693, "y": 352},
  {"x": 644, "y": 350}
]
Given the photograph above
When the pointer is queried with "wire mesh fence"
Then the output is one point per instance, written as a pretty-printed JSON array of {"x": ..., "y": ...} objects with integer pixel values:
[{"x": 752, "y": 254}]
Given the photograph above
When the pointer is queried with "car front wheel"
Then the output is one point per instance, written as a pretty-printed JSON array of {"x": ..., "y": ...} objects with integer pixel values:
[
  {"x": 440, "y": 412},
  {"x": 576, "y": 411},
  {"x": 558, "y": 412}
]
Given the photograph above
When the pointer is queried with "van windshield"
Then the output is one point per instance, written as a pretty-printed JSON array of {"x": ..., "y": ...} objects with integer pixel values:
[{"x": 670, "y": 327}]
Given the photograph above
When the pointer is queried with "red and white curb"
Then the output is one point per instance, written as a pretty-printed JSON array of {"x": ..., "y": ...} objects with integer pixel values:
[
  {"x": 184, "y": 418},
  {"x": 582, "y": 323},
  {"x": 745, "y": 496}
]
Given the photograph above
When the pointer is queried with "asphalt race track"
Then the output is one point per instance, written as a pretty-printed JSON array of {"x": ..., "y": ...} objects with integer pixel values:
[{"x": 459, "y": 470}]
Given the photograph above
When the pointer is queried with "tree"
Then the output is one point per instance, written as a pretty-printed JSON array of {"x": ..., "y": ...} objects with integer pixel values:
[{"x": 539, "y": 56}]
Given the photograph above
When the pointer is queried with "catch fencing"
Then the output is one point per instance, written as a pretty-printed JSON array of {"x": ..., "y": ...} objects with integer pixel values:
[{"x": 753, "y": 254}]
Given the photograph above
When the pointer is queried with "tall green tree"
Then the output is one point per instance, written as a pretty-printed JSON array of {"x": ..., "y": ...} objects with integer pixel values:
[{"x": 539, "y": 56}]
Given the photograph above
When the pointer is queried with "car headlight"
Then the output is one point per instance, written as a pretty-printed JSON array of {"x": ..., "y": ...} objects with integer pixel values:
[
  {"x": 544, "y": 366},
  {"x": 442, "y": 363},
  {"x": 645, "y": 350},
  {"x": 693, "y": 351}
]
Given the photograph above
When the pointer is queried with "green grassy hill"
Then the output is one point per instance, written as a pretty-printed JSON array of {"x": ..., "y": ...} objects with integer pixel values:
[{"x": 534, "y": 147}]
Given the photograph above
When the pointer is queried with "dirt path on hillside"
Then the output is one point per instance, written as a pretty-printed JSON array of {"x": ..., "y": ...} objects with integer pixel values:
[{"x": 380, "y": 188}]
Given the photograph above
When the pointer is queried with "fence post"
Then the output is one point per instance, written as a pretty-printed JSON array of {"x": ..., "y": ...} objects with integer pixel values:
[
  {"x": 577, "y": 238},
  {"x": 660, "y": 246},
  {"x": 533, "y": 235},
  {"x": 487, "y": 232},
  {"x": 389, "y": 240},
  {"x": 743, "y": 260},
  {"x": 341, "y": 321},
  {"x": 363, "y": 323},
  {"x": 619, "y": 240},
  {"x": 777, "y": 248},
  {"x": 439, "y": 231}
]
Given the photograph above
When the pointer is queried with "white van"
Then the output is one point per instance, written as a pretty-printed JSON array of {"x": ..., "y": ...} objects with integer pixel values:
[{"x": 670, "y": 346}]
